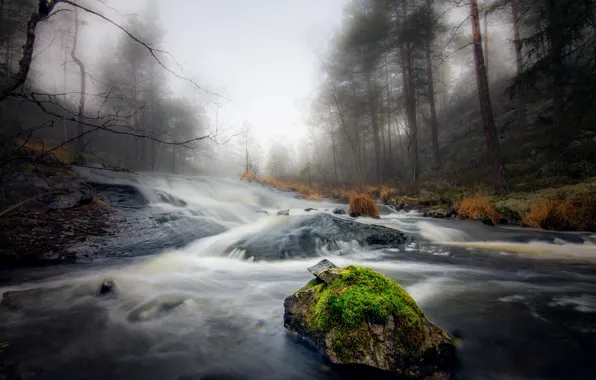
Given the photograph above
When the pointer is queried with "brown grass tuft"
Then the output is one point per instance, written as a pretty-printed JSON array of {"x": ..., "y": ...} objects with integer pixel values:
[
  {"x": 363, "y": 205},
  {"x": 314, "y": 197},
  {"x": 249, "y": 176},
  {"x": 476, "y": 206},
  {"x": 577, "y": 214}
]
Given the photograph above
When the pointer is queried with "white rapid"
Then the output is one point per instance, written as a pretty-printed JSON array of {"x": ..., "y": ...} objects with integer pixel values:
[{"x": 204, "y": 308}]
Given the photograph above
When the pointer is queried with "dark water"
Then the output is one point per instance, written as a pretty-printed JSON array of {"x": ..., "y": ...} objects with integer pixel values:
[{"x": 185, "y": 242}]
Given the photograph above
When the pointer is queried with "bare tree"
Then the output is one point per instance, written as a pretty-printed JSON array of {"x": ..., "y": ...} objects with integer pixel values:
[{"x": 77, "y": 60}]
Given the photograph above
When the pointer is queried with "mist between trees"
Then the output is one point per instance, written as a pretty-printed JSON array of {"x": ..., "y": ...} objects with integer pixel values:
[
  {"x": 467, "y": 93},
  {"x": 494, "y": 92},
  {"x": 116, "y": 109}
]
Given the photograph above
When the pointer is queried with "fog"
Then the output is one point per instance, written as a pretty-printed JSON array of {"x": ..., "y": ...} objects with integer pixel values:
[
  {"x": 260, "y": 56},
  {"x": 340, "y": 90}
]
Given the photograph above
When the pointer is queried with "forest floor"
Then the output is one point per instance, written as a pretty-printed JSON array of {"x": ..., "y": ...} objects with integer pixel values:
[
  {"x": 46, "y": 209},
  {"x": 565, "y": 208}
]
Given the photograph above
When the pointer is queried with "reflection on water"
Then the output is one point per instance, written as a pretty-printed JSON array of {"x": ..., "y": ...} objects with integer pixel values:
[{"x": 206, "y": 311}]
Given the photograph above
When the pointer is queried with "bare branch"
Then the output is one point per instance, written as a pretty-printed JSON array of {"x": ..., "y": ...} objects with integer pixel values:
[{"x": 151, "y": 50}]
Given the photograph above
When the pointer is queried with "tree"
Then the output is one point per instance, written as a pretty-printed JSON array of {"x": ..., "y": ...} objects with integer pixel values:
[
  {"x": 77, "y": 60},
  {"x": 520, "y": 96},
  {"x": 490, "y": 129}
]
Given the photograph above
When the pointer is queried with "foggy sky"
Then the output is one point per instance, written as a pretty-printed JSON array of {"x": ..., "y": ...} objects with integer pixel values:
[{"x": 260, "y": 54}]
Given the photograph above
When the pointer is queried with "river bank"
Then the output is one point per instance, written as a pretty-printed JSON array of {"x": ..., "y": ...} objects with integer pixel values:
[
  {"x": 564, "y": 208},
  {"x": 47, "y": 209}
]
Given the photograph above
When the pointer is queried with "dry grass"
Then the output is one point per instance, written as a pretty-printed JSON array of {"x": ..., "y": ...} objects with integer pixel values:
[
  {"x": 311, "y": 193},
  {"x": 314, "y": 197},
  {"x": 576, "y": 214},
  {"x": 476, "y": 206},
  {"x": 549, "y": 214},
  {"x": 363, "y": 205},
  {"x": 249, "y": 176},
  {"x": 38, "y": 148}
]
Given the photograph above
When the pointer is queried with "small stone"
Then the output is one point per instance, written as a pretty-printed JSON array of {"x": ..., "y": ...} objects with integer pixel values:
[
  {"x": 283, "y": 212},
  {"x": 339, "y": 211},
  {"x": 107, "y": 287},
  {"x": 487, "y": 221},
  {"x": 324, "y": 270},
  {"x": 309, "y": 209}
]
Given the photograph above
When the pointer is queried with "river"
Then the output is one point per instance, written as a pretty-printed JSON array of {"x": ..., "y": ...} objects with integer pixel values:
[{"x": 523, "y": 301}]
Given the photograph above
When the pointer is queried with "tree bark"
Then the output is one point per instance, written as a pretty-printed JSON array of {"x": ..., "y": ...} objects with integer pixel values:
[
  {"x": 73, "y": 54},
  {"x": 431, "y": 99},
  {"x": 490, "y": 129},
  {"x": 520, "y": 92}
]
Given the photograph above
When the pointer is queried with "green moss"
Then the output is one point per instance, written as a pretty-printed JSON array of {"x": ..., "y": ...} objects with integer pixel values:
[
  {"x": 360, "y": 296},
  {"x": 314, "y": 283}
]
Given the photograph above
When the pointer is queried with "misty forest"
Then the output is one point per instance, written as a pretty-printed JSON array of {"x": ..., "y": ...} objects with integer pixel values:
[{"x": 299, "y": 189}]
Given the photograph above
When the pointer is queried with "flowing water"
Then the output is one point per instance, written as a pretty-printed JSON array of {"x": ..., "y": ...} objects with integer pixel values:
[{"x": 202, "y": 266}]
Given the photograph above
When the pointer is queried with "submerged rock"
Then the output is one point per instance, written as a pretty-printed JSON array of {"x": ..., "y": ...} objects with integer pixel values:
[
  {"x": 487, "y": 221},
  {"x": 439, "y": 213},
  {"x": 283, "y": 212},
  {"x": 362, "y": 318},
  {"x": 107, "y": 287},
  {"x": 157, "y": 308}
]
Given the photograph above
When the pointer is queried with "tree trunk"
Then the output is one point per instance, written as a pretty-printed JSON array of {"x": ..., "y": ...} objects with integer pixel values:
[
  {"x": 389, "y": 147},
  {"x": 375, "y": 126},
  {"x": 486, "y": 41},
  {"x": 73, "y": 53},
  {"x": 520, "y": 92},
  {"x": 411, "y": 111},
  {"x": 334, "y": 159},
  {"x": 431, "y": 100},
  {"x": 25, "y": 62},
  {"x": 152, "y": 116},
  {"x": 410, "y": 102},
  {"x": 65, "y": 135},
  {"x": 174, "y": 159},
  {"x": 556, "y": 51},
  {"x": 490, "y": 129}
]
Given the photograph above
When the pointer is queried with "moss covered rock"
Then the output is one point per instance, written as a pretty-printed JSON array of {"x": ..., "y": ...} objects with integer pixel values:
[{"x": 364, "y": 318}]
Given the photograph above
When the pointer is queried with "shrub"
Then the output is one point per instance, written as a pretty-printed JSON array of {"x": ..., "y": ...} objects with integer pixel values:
[
  {"x": 476, "y": 206},
  {"x": 363, "y": 205}
]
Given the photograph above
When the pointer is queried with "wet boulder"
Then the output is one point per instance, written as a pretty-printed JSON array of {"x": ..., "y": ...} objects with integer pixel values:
[
  {"x": 304, "y": 235},
  {"x": 339, "y": 211},
  {"x": 363, "y": 319},
  {"x": 283, "y": 212}
]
